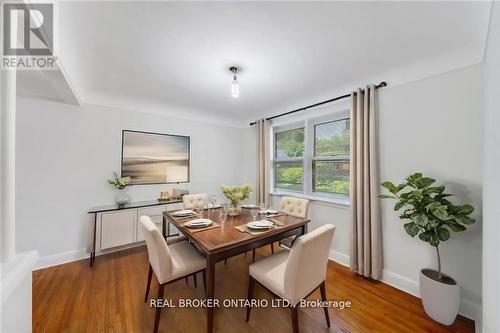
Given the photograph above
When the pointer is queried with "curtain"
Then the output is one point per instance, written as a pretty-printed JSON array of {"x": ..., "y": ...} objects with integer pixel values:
[
  {"x": 262, "y": 188},
  {"x": 366, "y": 237}
]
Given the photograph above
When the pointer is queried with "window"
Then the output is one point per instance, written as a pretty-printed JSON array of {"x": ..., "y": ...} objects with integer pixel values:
[
  {"x": 330, "y": 165},
  {"x": 311, "y": 158},
  {"x": 288, "y": 160}
]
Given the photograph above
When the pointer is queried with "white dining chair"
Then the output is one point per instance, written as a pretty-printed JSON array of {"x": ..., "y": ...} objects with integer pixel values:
[
  {"x": 294, "y": 275},
  {"x": 191, "y": 201},
  {"x": 169, "y": 262},
  {"x": 297, "y": 207}
]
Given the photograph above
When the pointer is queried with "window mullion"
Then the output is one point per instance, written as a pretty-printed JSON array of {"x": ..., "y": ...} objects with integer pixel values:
[{"x": 308, "y": 156}]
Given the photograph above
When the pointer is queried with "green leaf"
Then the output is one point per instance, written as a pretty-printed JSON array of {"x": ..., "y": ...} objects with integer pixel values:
[
  {"x": 399, "y": 205},
  {"x": 411, "y": 228},
  {"x": 386, "y": 196},
  {"x": 434, "y": 240},
  {"x": 465, "y": 210},
  {"x": 465, "y": 220},
  {"x": 426, "y": 236},
  {"x": 420, "y": 219},
  {"x": 390, "y": 186},
  {"x": 455, "y": 226},
  {"x": 426, "y": 182},
  {"x": 443, "y": 234},
  {"x": 439, "y": 211}
]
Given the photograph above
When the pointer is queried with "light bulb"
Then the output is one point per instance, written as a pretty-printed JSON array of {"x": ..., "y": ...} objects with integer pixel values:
[{"x": 235, "y": 87}]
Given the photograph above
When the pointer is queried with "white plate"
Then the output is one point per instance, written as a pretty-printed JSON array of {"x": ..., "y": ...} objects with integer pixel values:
[
  {"x": 268, "y": 212},
  {"x": 198, "y": 223},
  {"x": 186, "y": 212},
  {"x": 263, "y": 224},
  {"x": 249, "y": 206}
]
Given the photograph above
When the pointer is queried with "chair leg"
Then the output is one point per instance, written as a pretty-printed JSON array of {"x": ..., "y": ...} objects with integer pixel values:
[
  {"x": 195, "y": 280},
  {"x": 253, "y": 255},
  {"x": 187, "y": 281},
  {"x": 225, "y": 261},
  {"x": 295, "y": 318},
  {"x": 161, "y": 288},
  {"x": 251, "y": 284},
  {"x": 205, "y": 280},
  {"x": 272, "y": 247},
  {"x": 148, "y": 284},
  {"x": 323, "y": 298}
]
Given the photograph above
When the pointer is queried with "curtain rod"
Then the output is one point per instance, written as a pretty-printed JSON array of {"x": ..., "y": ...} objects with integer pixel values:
[{"x": 380, "y": 85}]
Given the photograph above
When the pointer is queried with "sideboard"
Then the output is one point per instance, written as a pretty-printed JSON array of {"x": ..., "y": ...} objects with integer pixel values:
[{"x": 118, "y": 225}]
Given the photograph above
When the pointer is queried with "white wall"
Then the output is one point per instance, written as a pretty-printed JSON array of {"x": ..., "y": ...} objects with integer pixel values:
[
  {"x": 433, "y": 126},
  {"x": 66, "y": 153},
  {"x": 491, "y": 179}
]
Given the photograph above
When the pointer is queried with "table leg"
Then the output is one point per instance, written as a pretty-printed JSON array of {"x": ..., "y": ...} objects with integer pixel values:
[
  {"x": 92, "y": 253},
  {"x": 210, "y": 293},
  {"x": 164, "y": 226}
]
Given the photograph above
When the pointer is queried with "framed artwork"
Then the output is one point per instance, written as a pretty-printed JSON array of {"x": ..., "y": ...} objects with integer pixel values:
[{"x": 155, "y": 158}]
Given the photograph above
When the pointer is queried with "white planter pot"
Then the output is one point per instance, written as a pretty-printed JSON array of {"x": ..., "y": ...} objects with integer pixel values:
[
  {"x": 441, "y": 298},
  {"x": 122, "y": 197}
]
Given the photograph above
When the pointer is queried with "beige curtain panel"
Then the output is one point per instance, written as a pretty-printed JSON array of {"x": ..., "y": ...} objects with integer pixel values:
[
  {"x": 262, "y": 189},
  {"x": 366, "y": 237}
]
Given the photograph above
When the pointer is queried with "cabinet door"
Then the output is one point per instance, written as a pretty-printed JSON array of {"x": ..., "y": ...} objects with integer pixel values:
[
  {"x": 156, "y": 215},
  {"x": 118, "y": 228}
]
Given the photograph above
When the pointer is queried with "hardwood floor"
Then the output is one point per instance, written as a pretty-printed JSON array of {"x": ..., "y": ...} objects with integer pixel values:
[{"x": 110, "y": 298}]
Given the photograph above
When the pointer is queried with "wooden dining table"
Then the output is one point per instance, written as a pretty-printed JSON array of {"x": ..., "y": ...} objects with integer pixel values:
[{"x": 225, "y": 241}]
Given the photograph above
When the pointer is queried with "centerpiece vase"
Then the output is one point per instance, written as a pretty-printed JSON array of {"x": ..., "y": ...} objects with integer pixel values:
[{"x": 234, "y": 210}]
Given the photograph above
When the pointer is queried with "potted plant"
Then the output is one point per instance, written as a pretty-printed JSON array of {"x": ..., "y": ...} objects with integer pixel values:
[
  {"x": 120, "y": 183},
  {"x": 236, "y": 194},
  {"x": 431, "y": 216}
]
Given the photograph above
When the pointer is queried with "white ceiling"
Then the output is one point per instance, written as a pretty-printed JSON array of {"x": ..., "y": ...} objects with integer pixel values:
[{"x": 174, "y": 56}]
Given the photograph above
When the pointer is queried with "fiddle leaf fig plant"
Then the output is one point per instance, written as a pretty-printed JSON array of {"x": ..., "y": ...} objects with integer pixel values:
[{"x": 431, "y": 215}]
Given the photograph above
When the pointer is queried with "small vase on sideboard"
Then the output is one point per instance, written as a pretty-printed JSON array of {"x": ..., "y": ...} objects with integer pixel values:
[{"x": 122, "y": 197}]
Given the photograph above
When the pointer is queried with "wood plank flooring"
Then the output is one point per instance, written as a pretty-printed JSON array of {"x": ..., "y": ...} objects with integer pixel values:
[{"x": 109, "y": 298}]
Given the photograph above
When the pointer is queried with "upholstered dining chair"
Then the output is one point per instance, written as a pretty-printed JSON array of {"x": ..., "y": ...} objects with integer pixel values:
[
  {"x": 191, "y": 201},
  {"x": 168, "y": 262},
  {"x": 294, "y": 207},
  {"x": 294, "y": 275}
]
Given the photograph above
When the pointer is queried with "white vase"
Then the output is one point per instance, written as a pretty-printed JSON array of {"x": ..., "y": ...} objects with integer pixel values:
[
  {"x": 441, "y": 298},
  {"x": 122, "y": 197}
]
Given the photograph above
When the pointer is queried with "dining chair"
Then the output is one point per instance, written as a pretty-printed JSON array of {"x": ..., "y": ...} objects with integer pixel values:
[
  {"x": 191, "y": 201},
  {"x": 169, "y": 262},
  {"x": 294, "y": 207},
  {"x": 294, "y": 275}
]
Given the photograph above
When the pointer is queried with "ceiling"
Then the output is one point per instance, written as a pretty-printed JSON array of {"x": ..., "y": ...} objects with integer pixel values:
[{"x": 173, "y": 57}]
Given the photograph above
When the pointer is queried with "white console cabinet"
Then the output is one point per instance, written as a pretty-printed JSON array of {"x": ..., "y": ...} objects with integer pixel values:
[{"x": 117, "y": 227}]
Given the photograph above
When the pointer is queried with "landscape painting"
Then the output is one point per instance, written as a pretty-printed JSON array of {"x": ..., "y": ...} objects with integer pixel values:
[{"x": 153, "y": 158}]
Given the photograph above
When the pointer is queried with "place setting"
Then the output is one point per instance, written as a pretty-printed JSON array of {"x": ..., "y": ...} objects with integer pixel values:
[{"x": 263, "y": 225}]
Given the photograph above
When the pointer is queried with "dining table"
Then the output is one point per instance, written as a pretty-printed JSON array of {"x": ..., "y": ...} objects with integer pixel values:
[{"x": 228, "y": 237}]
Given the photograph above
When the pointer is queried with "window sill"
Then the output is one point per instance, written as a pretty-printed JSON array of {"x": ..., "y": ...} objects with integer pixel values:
[{"x": 343, "y": 203}]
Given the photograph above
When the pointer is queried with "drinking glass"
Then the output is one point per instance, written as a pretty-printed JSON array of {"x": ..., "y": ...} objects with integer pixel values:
[
  {"x": 199, "y": 209},
  {"x": 262, "y": 206},
  {"x": 254, "y": 212},
  {"x": 222, "y": 215},
  {"x": 214, "y": 200}
]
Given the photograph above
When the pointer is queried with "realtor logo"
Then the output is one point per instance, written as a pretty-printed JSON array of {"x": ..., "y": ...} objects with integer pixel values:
[{"x": 28, "y": 36}]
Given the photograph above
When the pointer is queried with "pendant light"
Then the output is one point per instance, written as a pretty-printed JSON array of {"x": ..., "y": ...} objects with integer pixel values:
[{"x": 235, "y": 87}]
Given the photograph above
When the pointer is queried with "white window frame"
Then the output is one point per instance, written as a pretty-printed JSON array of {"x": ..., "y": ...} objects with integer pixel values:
[{"x": 339, "y": 112}]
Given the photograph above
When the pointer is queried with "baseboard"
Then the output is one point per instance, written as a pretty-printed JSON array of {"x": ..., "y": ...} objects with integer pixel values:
[
  {"x": 66, "y": 257},
  {"x": 339, "y": 258},
  {"x": 468, "y": 308},
  {"x": 60, "y": 258}
]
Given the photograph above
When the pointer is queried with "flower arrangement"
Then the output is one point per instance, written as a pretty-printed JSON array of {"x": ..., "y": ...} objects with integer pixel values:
[
  {"x": 119, "y": 182},
  {"x": 236, "y": 194}
]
